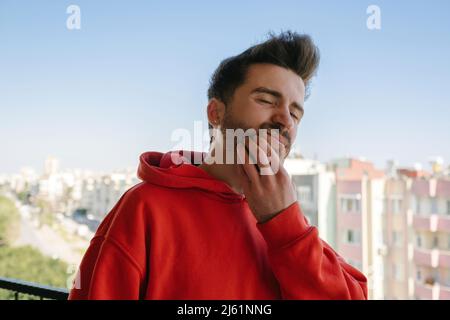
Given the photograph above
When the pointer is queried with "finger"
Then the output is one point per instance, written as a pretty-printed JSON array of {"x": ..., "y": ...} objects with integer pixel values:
[
  {"x": 251, "y": 149},
  {"x": 263, "y": 159},
  {"x": 252, "y": 152},
  {"x": 275, "y": 144},
  {"x": 272, "y": 150},
  {"x": 249, "y": 169},
  {"x": 263, "y": 153},
  {"x": 258, "y": 153}
]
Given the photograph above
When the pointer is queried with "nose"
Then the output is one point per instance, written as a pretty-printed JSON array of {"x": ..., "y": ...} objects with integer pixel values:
[{"x": 282, "y": 117}]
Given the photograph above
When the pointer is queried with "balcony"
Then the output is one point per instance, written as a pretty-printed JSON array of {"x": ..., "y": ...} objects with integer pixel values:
[
  {"x": 444, "y": 259},
  {"x": 444, "y": 293},
  {"x": 422, "y": 223},
  {"x": 425, "y": 257},
  {"x": 432, "y": 223},
  {"x": 443, "y": 224},
  {"x": 425, "y": 291},
  {"x": 39, "y": 291},
  {"x": 350, "y": 220},
  {"x": 432, "y": 258},
  {"x": 434, "y": 291}
]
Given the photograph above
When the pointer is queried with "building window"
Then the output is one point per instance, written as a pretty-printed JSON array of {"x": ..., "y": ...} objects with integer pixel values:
[
  {"x": 436, "y": 276},
  {"x": 435, "y": 242},
  {"x": 434, "y": 207},
  {"x": 418, "y": 275},
  {"x": 352, "y": 236},
  {"x": 396, "y": 206},
  {"x": 397, "y": 272},
  {"x": 304, "y": 194},
  {"x": 448, "y": 207},
  {"x": 418, "y": 206},
  {"x": 350, "y": 205},
  {"x": 419, "y": 241},
  {"x": 397, "y": 238},
  {"x": 346, "y": 205},
  {"x": 447, "y": 279}
]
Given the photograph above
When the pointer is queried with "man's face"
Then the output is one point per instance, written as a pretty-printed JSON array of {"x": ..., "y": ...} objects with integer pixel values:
[{"x": 271, "y": 97}]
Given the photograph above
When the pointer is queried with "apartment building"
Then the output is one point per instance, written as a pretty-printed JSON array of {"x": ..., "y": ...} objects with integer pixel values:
[
  {"x": 430, "y": 208},
  {"x": 359, "y": 216},
  {"x": 315, "y": 186}
]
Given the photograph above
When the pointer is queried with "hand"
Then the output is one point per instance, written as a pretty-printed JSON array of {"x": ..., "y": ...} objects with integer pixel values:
[{"x": 266, "y": 184}]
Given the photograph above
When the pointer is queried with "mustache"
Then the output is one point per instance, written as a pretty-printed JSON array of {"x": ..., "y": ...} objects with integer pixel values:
[{"x": 284, "y": 133}]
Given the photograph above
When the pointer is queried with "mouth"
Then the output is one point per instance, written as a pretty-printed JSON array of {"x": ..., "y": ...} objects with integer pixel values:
[{"x": 282, "y": 140}]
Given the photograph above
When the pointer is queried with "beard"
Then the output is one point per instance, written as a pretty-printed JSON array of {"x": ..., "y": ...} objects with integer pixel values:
[{"x": 230, "y": 123}]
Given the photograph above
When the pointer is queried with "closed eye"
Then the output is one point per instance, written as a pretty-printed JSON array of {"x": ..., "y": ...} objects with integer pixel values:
[{"x": 264, "y": 101}]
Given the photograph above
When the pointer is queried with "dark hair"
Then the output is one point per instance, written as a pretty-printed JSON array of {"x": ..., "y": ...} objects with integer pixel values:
[{"x": 289, "y": 50}]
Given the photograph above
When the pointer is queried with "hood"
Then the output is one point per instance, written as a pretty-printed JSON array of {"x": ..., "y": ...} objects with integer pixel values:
[{"x": 175, "y": 169}]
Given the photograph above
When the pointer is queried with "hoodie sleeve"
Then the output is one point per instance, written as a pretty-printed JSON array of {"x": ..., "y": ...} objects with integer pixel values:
[
  {"x": 111, "y": 274},
  {"x": 305, "y": 266},
  {"x": 114, "y": 266}
]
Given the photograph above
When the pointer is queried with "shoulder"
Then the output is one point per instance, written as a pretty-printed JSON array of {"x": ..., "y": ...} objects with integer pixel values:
[
  {"x": 127, "y": 210},
  {"x": 146, "y": 192}
]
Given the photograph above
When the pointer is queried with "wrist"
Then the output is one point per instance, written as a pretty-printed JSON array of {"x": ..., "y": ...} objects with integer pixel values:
[{"x": 287, "y": 226}]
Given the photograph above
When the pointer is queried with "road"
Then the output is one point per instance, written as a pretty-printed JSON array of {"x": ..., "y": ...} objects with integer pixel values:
[{"x": 47, "y": 240}]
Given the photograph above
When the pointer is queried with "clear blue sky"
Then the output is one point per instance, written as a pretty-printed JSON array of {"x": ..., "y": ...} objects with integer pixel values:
[{"x": 98, "y": 97}]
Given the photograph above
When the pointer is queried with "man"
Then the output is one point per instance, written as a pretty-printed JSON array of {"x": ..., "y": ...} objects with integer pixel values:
[{"x": 221, "y": 230}]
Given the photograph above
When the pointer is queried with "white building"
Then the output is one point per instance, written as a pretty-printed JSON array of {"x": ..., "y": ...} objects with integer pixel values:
[
  {"x": 100, "y": 193},
  {"x": 316, "y": 194}
]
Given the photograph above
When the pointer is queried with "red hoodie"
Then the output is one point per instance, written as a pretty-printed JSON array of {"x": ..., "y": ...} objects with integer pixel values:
[{"x": 182, "y": 234}]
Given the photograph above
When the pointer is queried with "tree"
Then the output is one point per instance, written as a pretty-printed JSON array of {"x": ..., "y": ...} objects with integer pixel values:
[{"x": 25, "y": 263}]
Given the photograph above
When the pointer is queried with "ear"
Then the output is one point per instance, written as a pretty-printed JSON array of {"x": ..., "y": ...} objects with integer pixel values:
[{"x": 215, "y": 112}]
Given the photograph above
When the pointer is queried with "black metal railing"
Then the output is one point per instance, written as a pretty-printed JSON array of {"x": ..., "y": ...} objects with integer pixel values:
[{"x": 33, "y": 289}]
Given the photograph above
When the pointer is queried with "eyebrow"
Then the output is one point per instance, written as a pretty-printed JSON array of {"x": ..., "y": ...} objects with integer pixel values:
[{"x": 278, "y": 95}]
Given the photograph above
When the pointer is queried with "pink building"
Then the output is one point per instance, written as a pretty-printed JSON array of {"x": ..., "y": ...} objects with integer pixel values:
[
  {"x": 396, "y": 234},
  {"x": 417, "y": 234},
  {"x": 359, "y": 209},
  {"x": 430, "y": 208}
]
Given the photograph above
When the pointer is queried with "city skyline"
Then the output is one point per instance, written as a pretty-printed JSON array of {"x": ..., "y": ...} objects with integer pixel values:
[{"x": 427, "y": 167}]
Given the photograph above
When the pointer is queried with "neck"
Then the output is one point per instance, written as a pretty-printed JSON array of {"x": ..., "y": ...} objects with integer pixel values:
[{"x": 228, "y": 173}]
